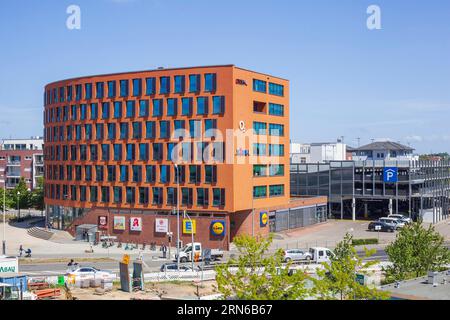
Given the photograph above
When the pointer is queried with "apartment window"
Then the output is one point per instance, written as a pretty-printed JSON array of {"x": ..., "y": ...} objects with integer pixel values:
[
  {"x": 111, "y": 131},
  {"x": 194, "y": 83},
  {"x": 78, "y": 132},
  {"x": 73, "y": 193},
  {"x": 83, "y": 112},
  {"x": 93, "y": 152},
  {"x": 137, "y": 130},
  {"x": 150, "y": 174},
  {"x": 194, "y": 174},
  {"x": 82, "y": 193},
  {"x": 150, "y": 86},
  {"x": 164, "y": 83},
  {"x": 83, "y": 152},
  {"x": 61, "y": 94},
  {"x": 143, "y": 108},
  {"x": 157, "y": 195},
  {"x": 124, "y": 130},
  {"x": 157, "y": 107},
  {"x": 74, "y": 112},
  {"x": 66, "y": 113},
  {"x": 179, "y": 84},
  {"x": 117, "y": 152},
  {"x": 105, "y": 152},
  {"x": 69, "y": 93},
  {"x": 259, "y": 128},
  {"x": 171, "y": 196},
  {"x": 164, "y": 174},
  {"x": 180, "y": 174},
  {"x": 276, "y": 150},
  {"x": 88, "y": 131},
  {"x": 186, "y": 196},
  {"x": 218, "y": 197},
  {"x": 111, "y": 89},
  {"x": 137, "y": 173},
  {"x": 157, "y": 151},
  {"x": 117, "y": 194},
  {"x": 130, "y": 151},
  {"x": 259, "y": 107},
  {"x": 202, "y": 106},
  {"x": 150, "y": 129},
  {"x": 186, "y": 106},
  {"x": 259, "y": 170},
  {"x": 170, "y": 147},
  {"x": 210, "y": 127},
  {"x": 88, "y": 89},
  {"x": 69, "y": 172},
  {"x": 99, "y": 173},
  {"x": 202, "y": 197},
  {"x": 78, "y": 89},
  {"x": 117, "y": 109},
  {"x": 179, "y": 128},
  {"x": 105, "y": 110},
  {"x": 259, "y": 149},
  {"x": 87, "y": 173},
  {"x": 276, "y": 89},
  {"x": 69, "y": 133},
  {"x": 77, "y": 173},
  {"x": 94, "y": 111},
  {"x": 130, "y": 195},
  {"x": 164, "y": 129},
  {"x": 123, "y": 173},
  {"x": 172, "y": 107},
  {"x": 111, "y": 173},
  {"x": 260, "y": 192},
  {"x": 105, "y": 194},
  {"x": 195, "y": 128},
  {"x": 276, "y": 109},
  {"x": 218, "y": 105},
  {"x": 259, "y": 86},
  {"x": 276, "y": 129},
  {"x": 124, "y": 88},
  {"x": 137, "y": 87},
  {"x": 210, "y": 82},
  {"x": 131, "y": 107},
  {"x": 276, "y": 190},
  {"x": 276, "y": 170},
  {"x": 99, "y": 90},
  {"x": 93, "y": 192},
  {"x": 143, "y": 195},
  {"x": 210, "y": 174},
  {"x": 143, "y": 152}
]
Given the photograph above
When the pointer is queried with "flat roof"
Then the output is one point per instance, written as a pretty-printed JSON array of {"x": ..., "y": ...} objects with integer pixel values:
[{"x": 163, "y": 69}]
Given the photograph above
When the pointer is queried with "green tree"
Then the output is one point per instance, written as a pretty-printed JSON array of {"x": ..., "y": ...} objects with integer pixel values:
[
  {"x": 337, "y": 280},
  {"x": 257, "y": 275},
  {"x": 24, "y": 197},
  {"x": 37, "y": 195},
  {"x": 415, "y": 251}
]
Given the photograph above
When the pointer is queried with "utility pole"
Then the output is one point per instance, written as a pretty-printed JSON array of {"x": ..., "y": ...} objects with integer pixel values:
[{"x": 178, "y": 217}]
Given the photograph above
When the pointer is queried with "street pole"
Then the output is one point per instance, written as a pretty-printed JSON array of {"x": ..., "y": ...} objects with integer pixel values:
[
  {"x": 4, "y": 217},
  {"x": 18, "y": 205},
  {"x": 253, "y": 207},
  {"x": 185, "y": 215},
  {"x": 178, "y": 218}
]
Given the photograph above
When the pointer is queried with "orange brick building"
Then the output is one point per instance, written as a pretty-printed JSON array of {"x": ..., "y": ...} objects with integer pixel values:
[{"x": 116, "y": 144}]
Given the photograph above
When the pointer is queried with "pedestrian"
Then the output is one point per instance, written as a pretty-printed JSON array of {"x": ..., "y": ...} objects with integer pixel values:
[
  {"x": 20, "y": 250},
  {"x": 164, "y": 250}
]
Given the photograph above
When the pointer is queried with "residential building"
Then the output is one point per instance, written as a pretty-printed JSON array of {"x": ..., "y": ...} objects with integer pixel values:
[
  {"x": 317, "y": 152},
  {"x": 384, "y": 150}
]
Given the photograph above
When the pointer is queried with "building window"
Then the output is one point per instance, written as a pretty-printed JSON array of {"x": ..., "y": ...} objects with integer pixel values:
[
  {"x": 202, "y": 197},
  {"x": 137, "y": 87},
  {"x": 88, "y": 131},
  {"x": 150, "y": 86},
  {"x": 202, "y": 106},
  {"x": 210, "y": 82},
  {"x": 259, "y": 128},
  {"x": 87, "y": 173},
  {"x": 186, "y": 106},
  {"x": 131, "y": 109},
  {"x": 276, "y": 190},
  {"x": 123, "y": 173},
  {"x": 124, "y": 130},
  {"x": 150, "y": 129},
  {"x": 276, "y": 89},
  {"x": 69, "y": 93},
  {"x": 276, "y": 129},
  {"x": 143, "y": 195},
  {"x": 276, "y": 150},
  {"x": 137, "y": 130},
  {"x": 117, "y": 152},
  {"x": 99, "y": 173},
  {"x": 259, "y": 86},
  {"x": 179, "y": 84},
  {"x": 180, "y": 174},
  {"x": 171, "y": 196},
  {"x": 130, "y": 152},
  {"x": 164, "y": 176},
  {"x": 93, "y": 194},
  {"x": 150, "y": 174},
  {"x": 186, "y": 151},
  {"x": 179, "y": 128},
  {"x": 78, "y": 89},
  {"x": 105, "y": 194},
  {"x": 105, "y": 110},
  {"x": 111, "y": 89},
  {"x": 94, "y": 111},
  {"x": 100, "y": 90},
  {"x": 124, "y": 88},
  {"x": 111, "y": 173},
  {"x": 164, "y": 129},
  {"x": 259, "y": 170},
  {"x": 172, "y": 107},
  {"x": 157, "y": 107},
  {"x": 195, "y": 128},
  {"x": 111, "y": 131},
  {"x": 157, "y": 195},
  {"x": 186, "y": 196},
  {"x": 259, "y": 149},
  {"x": 202, "y": 156},
  {"x": 93, "y": 152},
  {"x": 117, "y": 109},
  {"x": 117, "y": 194},
  {"x": 170, "y": 147},
  {"x": 210, "y": 174},
  {"x": 210, "y": 127},
  {"x": 130, "y": 194},
  {"x": 88, "y": 90},
  {"x": 137, "y": 173},
  {"x": 99, "y": 131},
  {"x": 218, "y": 105},
  {"x": 218, "y": 197},
  {"x": 143, "y": 108},
  {"x": 105, "y": 152},
  {"x": 157, "y": 151},
  {"x": 82, "y": 112},
  {"x": 260, "y": 192},
  {"x": 143, "y": 151},
  {"x": 276, "y": 170},
  {"x": 194, "y": 83},
  {"x": 195, "y": 174},
  {"x": 276, "y": 109},
  {"x": 164, "y": 85}
]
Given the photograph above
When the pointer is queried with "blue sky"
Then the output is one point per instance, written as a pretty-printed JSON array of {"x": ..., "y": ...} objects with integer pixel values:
[{"x": 346, "y": 80}]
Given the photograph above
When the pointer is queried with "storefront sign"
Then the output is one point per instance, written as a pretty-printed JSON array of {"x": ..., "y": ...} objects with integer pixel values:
[
  {"x": 102, "y": 222},
  {"x": 119, "y": 223},
  {"x": 263, "y": 219},
  {"x": 162, "y": 225},
  {"x": 218, "y": 228},
  {"x": 9, "y": 265},
  {"x": 135, "y": 224},
  {"x": 189, "y": 227}
]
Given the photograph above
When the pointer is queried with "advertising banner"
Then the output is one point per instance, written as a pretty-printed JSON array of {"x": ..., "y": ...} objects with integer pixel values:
[
  {"x": 119, "y": 223},
  {"x": 103, "y": 222},
  {"x": 135, "y": 224},
  {"x": 188, "y": 227},
  {"x": 263, "y": 219},
  {"x": 162, "y": 225},
  {"x": 218, "y": 228}
]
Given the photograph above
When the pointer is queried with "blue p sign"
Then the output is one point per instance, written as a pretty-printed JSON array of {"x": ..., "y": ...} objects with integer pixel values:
[{"x": 390, "y": 174}]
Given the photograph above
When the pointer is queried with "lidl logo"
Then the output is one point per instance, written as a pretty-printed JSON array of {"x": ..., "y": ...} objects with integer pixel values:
[
  {"x": 218, "y": 228},
  {"x": 264, "y": 219}
]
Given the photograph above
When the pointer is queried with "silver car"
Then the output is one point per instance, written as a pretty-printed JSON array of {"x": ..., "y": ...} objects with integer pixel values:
[
  {"x": 393, "y": 222},
  {"x": 296, "y": 255}
]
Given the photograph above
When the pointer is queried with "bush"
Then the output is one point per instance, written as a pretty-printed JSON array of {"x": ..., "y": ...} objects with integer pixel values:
[{"x": 360, "y": 242}]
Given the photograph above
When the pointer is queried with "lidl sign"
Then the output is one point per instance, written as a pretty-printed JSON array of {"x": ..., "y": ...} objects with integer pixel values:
[
  {"x": 218, "y": 228},
  {"x": 263, "y": 219}
]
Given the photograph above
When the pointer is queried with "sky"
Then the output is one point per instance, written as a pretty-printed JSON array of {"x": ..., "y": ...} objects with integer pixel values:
[{"x": 345, "y": 80}]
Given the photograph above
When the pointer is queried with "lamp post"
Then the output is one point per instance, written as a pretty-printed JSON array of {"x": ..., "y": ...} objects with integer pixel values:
[
  {"x": 178, "y": 217},
  {"x": 4, "y": 216},
  {"x": 18, "y": 205}
]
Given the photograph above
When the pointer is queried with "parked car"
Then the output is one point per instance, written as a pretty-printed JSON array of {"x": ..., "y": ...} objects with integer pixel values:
[
  {"x": 400, "y": 217},
  {"x": 395, "y": 222},
  {"x": 90, "y": 272},
  {"x": 384, "y": 227},
  {"x": 320, "y": 254},
  {"x": 172, "y": 267},
  {"x": 296, "y": 255}
]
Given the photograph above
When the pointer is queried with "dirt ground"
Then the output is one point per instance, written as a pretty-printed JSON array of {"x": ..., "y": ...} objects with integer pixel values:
[{"x": 152, "y": 291}]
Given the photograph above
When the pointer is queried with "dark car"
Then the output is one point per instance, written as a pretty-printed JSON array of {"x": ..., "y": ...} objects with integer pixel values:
[
  {"x": 380, "y": 226},
  {"x": 172, "y": 267}
]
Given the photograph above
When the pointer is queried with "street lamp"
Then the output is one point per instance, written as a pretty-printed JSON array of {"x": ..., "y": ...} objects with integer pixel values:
[
  {"x": 185, "y": 215},
  {"x": 178, "y": 217},
  {"x": 18, "y": 204},
  {"x": 4, "y": 216}
]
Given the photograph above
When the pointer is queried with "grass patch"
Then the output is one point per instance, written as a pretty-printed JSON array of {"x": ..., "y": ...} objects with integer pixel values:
[{"x": 360, "y": 242}]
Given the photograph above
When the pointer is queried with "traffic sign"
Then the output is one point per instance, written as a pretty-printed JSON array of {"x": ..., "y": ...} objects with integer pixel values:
[{"x": 390, "y": 174}]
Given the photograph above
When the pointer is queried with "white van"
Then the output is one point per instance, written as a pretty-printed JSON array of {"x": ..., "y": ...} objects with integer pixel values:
[{"x": 320, "y": 254}]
